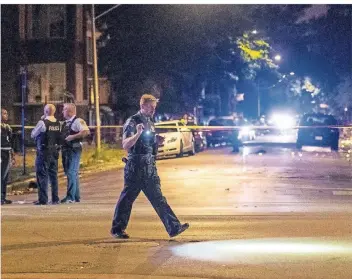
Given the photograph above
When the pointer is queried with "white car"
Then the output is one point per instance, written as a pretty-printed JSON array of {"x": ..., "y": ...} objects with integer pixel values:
[
  {"x": 178, "y": 139},
  {"x": 246, "y": 133}
]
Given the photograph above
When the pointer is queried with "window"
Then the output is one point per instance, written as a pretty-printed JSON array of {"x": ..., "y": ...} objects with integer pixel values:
[
  {"x": 89, "y": 50},
  {"x": 159, "y": 128},
  {"x": 48, "y": 21},
  {"x": 79, "y": 82},
  {"x": 46, "y": 82},
  {"x": 221, "y": 122},
  {"x": 318, "y": 120},
  {"x": 57, "y": 80}
]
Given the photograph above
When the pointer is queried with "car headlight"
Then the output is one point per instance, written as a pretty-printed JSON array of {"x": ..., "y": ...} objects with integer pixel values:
[
  {"x": 173, "y": 139},
  {"x": 283, "y": 121},
  {"x": 245, "y": 130}
]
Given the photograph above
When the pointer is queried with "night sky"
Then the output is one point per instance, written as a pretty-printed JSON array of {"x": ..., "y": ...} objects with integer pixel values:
[{"x": 175, "y": 44}]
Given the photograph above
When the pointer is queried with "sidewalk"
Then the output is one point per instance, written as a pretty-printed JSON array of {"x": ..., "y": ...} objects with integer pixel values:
[{"x": 110, "y": 158}]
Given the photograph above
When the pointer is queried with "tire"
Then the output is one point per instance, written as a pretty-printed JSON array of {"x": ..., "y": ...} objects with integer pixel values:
[
  {"x": 193, "y": 151},
  {"x": 209, "y": 144},
  {"x": 180, "y": 155},
  {"x": 298, "y": 145},
  {"x": 335, "y": 145},
  {"x": 235, "y": 149}
]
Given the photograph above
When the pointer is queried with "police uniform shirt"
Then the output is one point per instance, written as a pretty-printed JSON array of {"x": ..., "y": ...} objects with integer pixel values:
[
  {"x": 78, "y": 125},
  {"x": 129, "y": 129},
  {"x": 146, "y": 142},
  {"x": 40, "y": 127}
]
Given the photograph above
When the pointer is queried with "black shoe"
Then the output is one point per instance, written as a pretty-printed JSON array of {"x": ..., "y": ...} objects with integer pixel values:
[
  {"x": 122, "y": 235},
  {"x": 5, "y": 201},
  {"x": 39, "y": 203},
  {"x": 77, "y": 200},
  {"x": 55, "y": 202},
  {"x": 66, "y": 200},
  {"x": 183, "y": 227}
]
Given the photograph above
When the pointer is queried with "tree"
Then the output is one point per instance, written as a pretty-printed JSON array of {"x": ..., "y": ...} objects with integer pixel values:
[
  {"x": 343, "y": 97},
  {"x": 174, "y": 40}
]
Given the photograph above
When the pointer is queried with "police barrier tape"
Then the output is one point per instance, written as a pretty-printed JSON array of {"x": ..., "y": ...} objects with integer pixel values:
[{"x": 205, "y": 128}]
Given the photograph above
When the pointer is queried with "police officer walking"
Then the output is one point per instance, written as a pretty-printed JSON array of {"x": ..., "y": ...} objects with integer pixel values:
[
  {"x": 73, "y": 131},
  {"x": 140, "y": 173},
  {"x": 47, "y": 136},
  {"x": 7, "y": 158}
]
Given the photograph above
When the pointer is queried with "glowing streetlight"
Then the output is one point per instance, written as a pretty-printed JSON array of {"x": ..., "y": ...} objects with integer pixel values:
[
  {"x": 277, "y": 57},
  {"x": 254, "y": 32},
  {"x": 292, "y": 74}
]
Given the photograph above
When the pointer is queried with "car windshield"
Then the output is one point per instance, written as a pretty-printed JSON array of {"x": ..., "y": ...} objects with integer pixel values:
[
  {"x": 221, "y": 122},
  {"x": 318, "y": 120},
  {"x": 159, "y": 128}
]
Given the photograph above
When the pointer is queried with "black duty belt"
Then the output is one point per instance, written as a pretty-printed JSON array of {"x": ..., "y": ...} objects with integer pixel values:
[{"x": 147, "y": 158}]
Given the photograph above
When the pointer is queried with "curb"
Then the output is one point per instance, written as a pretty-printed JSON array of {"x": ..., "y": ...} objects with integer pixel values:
[{"x": 23, "y": 184}]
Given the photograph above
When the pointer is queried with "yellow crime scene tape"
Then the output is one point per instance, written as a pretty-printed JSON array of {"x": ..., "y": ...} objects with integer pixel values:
[{"x": 196, "y": 127}]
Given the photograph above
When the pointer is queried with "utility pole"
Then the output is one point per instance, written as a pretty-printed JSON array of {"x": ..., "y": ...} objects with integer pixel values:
[
  {"x": 96, "y": 84},
  {"x": 23, "y": 72},
  {"x": 95, "y": 77}
]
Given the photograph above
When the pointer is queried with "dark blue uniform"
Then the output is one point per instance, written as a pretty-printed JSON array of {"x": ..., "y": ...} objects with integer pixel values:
[
  {"x": 47, "y": 161},
  {"x": 6, "y": 149},
  {"x": 71, "y": 156},
  {"x": 140, "y": 174}
]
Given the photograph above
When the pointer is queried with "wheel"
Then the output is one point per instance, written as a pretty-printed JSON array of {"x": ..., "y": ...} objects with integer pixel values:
[
  {"x": 235, "y": 149},
  {"x": 209, "y": 143},
  {"x": 179, "y": 155},
  {"x": 193, "y": 151},
  {"x": 335, "y": 145},
  {"x": 298, "y": 145}
]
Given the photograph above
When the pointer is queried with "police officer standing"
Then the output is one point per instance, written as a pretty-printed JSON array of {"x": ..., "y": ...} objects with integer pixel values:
[
  {"x": 140, "y": 173},
  {"x": 73, "y": 131},
  {"x": 47, "y": 136},
  {"x": 7, "y": 158}
]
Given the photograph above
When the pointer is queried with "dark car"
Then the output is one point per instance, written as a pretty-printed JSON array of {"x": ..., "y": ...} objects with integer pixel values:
[
  {"x": 199, "y": 136},
  {"x": 319, "y": 134},
  {"x": 200, "y": 140},
  {"x": 218, "y": 136}
]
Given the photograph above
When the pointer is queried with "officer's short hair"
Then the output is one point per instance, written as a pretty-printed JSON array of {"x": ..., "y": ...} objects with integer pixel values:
[
  {"x": 49, "y": 109},
  {"x": 147, "y": 98},
  {"x": 71, "y": 105}
]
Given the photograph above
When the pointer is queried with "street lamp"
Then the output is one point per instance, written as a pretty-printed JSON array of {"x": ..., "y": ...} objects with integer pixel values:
[
  {"x": 292, "y": 74},
  {"x": 277, "y": 57},
  {"x": 254, "y": 31},
  {"x": 95, "y": 77}
]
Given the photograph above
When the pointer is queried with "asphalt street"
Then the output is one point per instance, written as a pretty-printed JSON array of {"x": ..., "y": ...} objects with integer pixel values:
[{"x": 269, "y": 212}]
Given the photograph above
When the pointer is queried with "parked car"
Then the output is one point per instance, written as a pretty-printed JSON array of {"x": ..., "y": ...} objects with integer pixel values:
[
  {"x": 246, "y": 132},
  {"x": 200, "y": 140},
  {"x": 178, "y": 139},
  {"x": 318, "y": 136},
  {"x": 227, "y": 136}
]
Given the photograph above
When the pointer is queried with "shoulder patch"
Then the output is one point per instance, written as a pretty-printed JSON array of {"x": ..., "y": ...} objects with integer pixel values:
[{"x": 130, "y": 122}]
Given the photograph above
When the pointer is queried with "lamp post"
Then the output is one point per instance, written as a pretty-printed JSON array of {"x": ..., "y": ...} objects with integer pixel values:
[
  {"x": 95, "y": 75},
  {"x": 23, "y": 94}
]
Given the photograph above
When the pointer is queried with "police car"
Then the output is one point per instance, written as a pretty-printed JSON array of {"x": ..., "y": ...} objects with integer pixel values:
[{"x": 178, "y": 139}]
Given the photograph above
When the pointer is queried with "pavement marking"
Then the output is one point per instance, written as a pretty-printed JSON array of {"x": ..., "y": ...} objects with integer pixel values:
[{"x": 342, "y": 193}]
